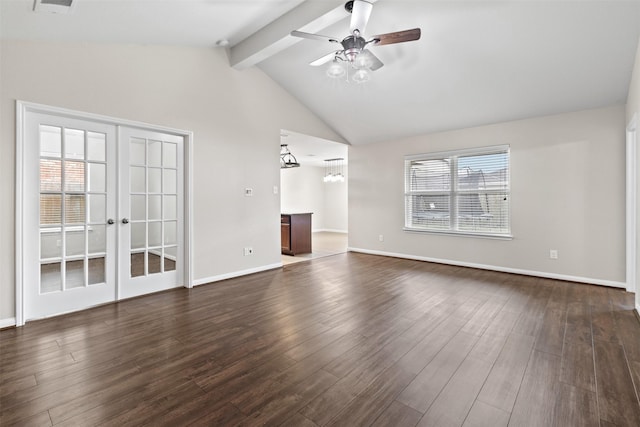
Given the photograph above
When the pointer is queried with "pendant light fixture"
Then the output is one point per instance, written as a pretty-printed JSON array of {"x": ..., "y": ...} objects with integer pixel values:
[
  {"x": 334, "y": 170},
  {"x": 287, "y": 160}
]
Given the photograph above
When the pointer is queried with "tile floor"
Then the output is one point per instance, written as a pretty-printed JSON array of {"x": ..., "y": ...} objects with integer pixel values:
[{"x": 323, "y": 244}]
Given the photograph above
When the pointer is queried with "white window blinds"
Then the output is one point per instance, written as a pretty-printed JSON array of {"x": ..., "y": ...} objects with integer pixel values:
[{"x": 464, "y": 192}]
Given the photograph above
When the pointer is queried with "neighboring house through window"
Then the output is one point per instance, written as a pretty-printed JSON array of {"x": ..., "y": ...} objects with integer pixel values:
[{"x": 461, "y": 192}]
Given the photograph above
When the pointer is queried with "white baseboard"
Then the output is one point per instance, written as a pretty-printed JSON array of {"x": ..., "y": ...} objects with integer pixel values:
[
  {"x": 7, "y": 323},
  {"x": 205, "y": 280},
  {"x": 546, "y": 275},
  {"x": 329, "y": 230}
]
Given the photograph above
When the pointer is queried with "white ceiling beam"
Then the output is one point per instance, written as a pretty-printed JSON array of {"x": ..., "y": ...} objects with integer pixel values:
[{"x": 312, "y": 16}]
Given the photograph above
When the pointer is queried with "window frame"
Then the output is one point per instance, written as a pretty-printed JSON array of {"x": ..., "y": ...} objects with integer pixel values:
[{"x": 453, "y": 193}]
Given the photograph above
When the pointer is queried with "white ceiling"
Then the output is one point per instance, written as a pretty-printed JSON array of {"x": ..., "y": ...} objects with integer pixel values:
[
  {"x": 478, "y": 62},
  {"x": 312, "y": 151},
  {"x": 161, "y": 22}
]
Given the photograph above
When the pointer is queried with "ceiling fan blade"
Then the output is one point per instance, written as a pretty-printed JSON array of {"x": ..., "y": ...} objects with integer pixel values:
[
  {"x": 397, "y": 37},
  {"x": 360, "y": 15},
  {"x": 328, "y": 57},
  {"x": 313, "y": 36},
  {"x": 369, "y": 60}
]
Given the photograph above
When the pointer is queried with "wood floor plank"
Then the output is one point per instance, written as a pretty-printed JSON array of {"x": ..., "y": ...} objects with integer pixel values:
[
  {"x": 484, "y": 317},
  {"x": 352, "y": 339},
  {"x": 365, "y": 409},
  {"x": 576, "y": 407},
  {"x": 602, "y": 319},
  {"x": 456, "y": 399},
  {"x": 41, "y": 419},
  {"x": 577, "y": 368},
  {"x": 617, "y": 399},
  {"x": 298, "y": 420},
  {"x": 290, "y": 400},
  {"x": 483, "y": 415},
  {"x": 538, "y": 393},
  {"x": 227, "y": 415},
  {"x": 70, "y": 396},
  {"x": 503, "y": 383},
  {"x": 634, "y": 367},
  {"x": 397, "y": 415},
  {"x": 551, "y": 336},
  {"x": 358, "y": 379},
  {"x": 629, "y": 333},
  {"x": 428, "y": 384},
  {"x": 530, "y": 321},
  {"x": 14, "y": 386}
]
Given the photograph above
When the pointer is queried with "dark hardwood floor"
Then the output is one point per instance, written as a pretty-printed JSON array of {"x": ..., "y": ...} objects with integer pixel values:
[{"x": 349, "y": 340}]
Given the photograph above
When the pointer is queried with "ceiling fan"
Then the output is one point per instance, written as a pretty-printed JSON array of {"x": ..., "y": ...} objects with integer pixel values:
[{"x": 353, "y": 48}]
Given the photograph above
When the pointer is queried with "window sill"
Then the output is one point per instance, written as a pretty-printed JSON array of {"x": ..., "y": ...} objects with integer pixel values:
[{"x": 460, "y": 233}]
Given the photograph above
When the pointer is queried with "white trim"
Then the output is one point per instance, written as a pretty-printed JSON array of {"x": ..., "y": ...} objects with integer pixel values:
[
  {"x": 329, "y": 230},
  {"x": 19, "y": 235},
  {"x": 460, "y": 233},
  {"x": 632, "y": 189},
  {"x": 74, "y": 114},
  {"x": 8, "y": 322},
  {"x": 461, "y": 152},
  {"x": 205, "y": 280},
  {"x": 568, "y": 278},
  {"x": 188, "y": 207}
]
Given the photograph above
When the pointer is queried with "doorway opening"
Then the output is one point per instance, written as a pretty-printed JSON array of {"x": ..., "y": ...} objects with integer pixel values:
[{"x": 305, "y": 190}]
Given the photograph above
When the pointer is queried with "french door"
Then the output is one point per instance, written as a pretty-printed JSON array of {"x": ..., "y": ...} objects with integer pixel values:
[
  {"x": 102, "y": 211},
  {"x": 151, "y": 206}
]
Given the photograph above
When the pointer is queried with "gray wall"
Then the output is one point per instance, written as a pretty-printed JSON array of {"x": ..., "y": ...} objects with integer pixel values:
[
  {"x": 303, "y": 190},
  {"x": 567, "y": 193},
  {"x": 236, "y": 117}
]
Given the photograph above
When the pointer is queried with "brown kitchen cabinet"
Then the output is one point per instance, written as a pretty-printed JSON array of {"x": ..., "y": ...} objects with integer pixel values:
[{"x": 295, "y": 233}]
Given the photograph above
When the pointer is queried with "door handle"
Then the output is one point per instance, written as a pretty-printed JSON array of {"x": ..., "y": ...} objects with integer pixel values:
[
  {"x": 125, "y": 220},
  {"x": 110, "y": 221}
]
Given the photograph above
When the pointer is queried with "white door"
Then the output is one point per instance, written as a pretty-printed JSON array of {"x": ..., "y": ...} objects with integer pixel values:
[
  {"x": 151, "y": 211},
  {"x": 69, "y": 243},
  {"x": 103, "y": 211}
]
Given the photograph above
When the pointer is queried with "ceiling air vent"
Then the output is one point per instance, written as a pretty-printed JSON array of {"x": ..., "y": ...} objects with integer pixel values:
[{"x": 54, "y": 6}]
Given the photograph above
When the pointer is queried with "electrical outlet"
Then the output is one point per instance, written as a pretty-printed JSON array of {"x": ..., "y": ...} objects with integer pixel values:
[
  {"x": 275, "y": 189},
  {"x": 381, "y": 238},
  {"x": 553, "y": 253},
  {"x": 248, "y": 251}
]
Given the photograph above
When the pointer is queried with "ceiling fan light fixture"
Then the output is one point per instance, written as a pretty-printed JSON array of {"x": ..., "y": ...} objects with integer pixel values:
[
  {"x": 361, "y": 76},
  {"x": 362, "y": 61},
  {"x": 335, "y": 70}
]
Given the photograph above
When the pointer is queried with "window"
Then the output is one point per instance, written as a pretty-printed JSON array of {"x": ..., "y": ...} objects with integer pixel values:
[{"x": 461, "y": 192}]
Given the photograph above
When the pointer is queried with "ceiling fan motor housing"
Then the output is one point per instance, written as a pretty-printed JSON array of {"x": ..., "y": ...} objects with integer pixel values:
[{"x": 352, "y": 46}]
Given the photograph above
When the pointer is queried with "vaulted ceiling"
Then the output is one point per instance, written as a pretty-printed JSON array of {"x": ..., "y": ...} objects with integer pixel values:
[{"x": 477, "y": 62}]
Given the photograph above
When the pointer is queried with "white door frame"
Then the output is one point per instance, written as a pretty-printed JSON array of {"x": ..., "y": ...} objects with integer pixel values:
[
  {"x": 22, "y": 108},
  {"x": 632, "y": 207}
]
